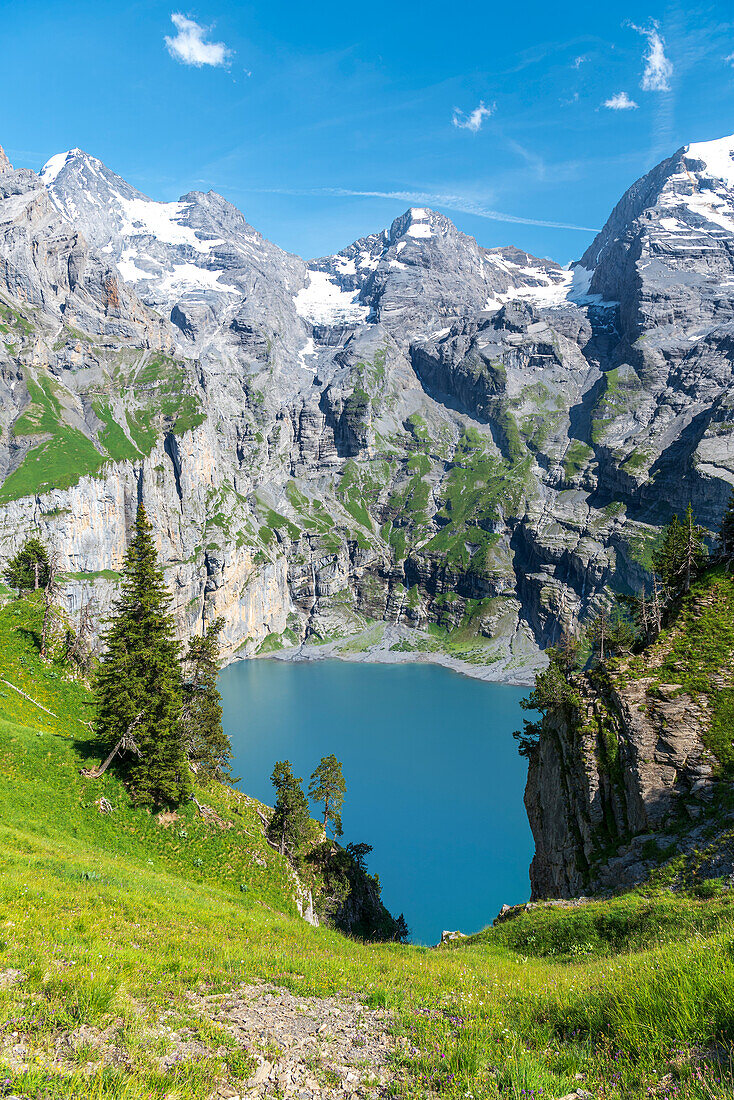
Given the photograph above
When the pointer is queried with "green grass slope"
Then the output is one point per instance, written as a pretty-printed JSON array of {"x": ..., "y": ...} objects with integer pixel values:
[{"x": 112, "y": 918}]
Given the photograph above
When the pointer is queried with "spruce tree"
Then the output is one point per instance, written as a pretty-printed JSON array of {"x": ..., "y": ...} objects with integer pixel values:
[
  {"x": 289, "y": 823},
  {"x": 207, "y": 745},
  {"x": 694, "y": 550},
  {"x": 138, "y": 682},
  {"x": 681, "y": 554},
  {"x": 328, "y": 786},
  {"x": 726, "y": 531},
  {"x": 28, "y": 569},
  {"x": 669, "y": 558}
]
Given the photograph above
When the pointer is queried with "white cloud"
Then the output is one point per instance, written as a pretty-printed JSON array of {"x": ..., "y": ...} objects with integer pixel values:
[
  {"x": 473, "y": 121},
  {"x": 578, "y": 61},
  {"x": 658, "y": 67},
  {"x": 620, "y": 102},
  {"x": 730, "y": 59},
  {"x": 188, "y": 45}
]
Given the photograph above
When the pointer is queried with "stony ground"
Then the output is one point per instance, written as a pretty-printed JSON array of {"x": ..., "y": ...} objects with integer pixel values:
[{"x": 305, "y": 1048}]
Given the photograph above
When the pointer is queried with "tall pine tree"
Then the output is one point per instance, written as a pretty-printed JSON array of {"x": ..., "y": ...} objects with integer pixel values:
[
  {"x": 328, "y": 786},
  {"x": 290, "y": 820},
  {"x": 681, "y": 555},
  {"x": 207, "y": 745},
  {"x": 138, "y": 683},
  {"x": 29, "y": 568},
  {"x": 669, "y": 558},
  {"x": 726, "y": 531}
]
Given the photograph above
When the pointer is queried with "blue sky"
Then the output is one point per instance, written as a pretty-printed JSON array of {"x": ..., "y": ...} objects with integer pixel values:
[{"x": 322, "y": 122}]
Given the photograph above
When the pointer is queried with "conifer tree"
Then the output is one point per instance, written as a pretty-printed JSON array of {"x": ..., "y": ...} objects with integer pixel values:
[
  {"x": 328, "y": 786},
  {"x": 681, "y": 554},
  {"x": 694, "y": 550},
  {"x": 138, "y": 683},
  {"x": 28, "y": 569},
  {"x": 207, "y": 745},
  {"x": 289, "y": 823},
  {"x": 599, "y": 631},
  {"x": 51, "y": 590},
  {"x": 613, "y": 632},
  {"x": 668, "y": 559},
  {"x": 726, "y": 531}
]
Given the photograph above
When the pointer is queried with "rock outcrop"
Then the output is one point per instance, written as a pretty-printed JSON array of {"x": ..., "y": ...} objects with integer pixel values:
[{"x": 632, "y": 767}]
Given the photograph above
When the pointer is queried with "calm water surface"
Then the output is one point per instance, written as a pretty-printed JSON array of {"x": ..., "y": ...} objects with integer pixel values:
[{"x": 434, "y": 779}]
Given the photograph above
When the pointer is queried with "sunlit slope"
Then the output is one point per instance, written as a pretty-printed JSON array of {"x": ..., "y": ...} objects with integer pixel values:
[{"x": 109, "y": 921}]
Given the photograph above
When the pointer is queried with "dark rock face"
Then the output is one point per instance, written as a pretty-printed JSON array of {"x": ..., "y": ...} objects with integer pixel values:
[
  {"x": 417, "y": 428},
  {"x": 582, "y": 804},
  {"x": 633, "y": 767}
]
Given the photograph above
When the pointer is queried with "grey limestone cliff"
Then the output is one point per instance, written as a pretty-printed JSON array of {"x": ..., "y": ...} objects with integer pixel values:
[{"x": 416, "y": 430}]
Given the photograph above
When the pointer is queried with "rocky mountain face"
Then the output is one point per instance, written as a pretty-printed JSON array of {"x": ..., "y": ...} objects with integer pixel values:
[
  {"x": 417, "y": 430},
  {"x": 631, "y": 773}
]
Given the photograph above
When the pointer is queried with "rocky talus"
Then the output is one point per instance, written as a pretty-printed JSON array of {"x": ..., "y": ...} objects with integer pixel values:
[
  {"x": 287, "y": 1046},
  {"x": 471, "y": 443},
  {"x": 306, "y": 1047}
]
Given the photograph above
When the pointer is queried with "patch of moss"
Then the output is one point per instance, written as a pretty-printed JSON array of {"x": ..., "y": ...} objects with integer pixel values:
[
  {"x": 576, "y": 458},
  {"x": 350, "y": 492},
  {"x": 479, "y": 490}
]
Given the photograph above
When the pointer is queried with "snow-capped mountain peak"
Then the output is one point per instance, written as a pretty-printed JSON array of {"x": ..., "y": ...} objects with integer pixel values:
[
  {"x": 55, "y": 164},
  {"x": 717, "y": 157},
  {"x": 197, "y": 248}
]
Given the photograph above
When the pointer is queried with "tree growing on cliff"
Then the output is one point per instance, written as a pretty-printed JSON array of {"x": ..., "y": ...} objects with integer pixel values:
[
  {"x": 681, "y": 555},
  {"x": 726, "y": 530},
  {"x": 613, "y": 630},
  {"x": 554, "y": 689},
  {"x": 208, "y": 748},
  {"x": 328, "y": 786},
  {"x": 28, "y": 569},
  {"x": 289, "y": 823},
  {"x": 138, "y": 681}
]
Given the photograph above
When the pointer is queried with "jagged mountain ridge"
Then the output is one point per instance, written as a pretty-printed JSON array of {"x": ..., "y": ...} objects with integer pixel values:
[{"x": 416, "y": 430}]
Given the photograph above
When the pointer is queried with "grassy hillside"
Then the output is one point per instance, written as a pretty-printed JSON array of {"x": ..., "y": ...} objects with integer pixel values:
[{"x": 112, "y": 919}]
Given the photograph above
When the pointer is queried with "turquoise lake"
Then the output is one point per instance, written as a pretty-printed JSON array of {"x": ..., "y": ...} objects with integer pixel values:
[{"x": 434, "y": 779}]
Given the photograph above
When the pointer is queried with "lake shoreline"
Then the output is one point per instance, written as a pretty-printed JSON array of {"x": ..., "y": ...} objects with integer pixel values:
[{"x": 504, "y": 670}]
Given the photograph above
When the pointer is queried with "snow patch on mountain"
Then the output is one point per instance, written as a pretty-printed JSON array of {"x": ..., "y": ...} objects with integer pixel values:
[
  {"x": 145, "y": 217},
  {"x": 566, "y": 287},
  {"x": 419, "y": 223},
  {"x": 127, "y": 266},
  {"x": 185, "y": 278},
  {"x": 308, "y": 349},
  {"x": 322, "y": 302}
]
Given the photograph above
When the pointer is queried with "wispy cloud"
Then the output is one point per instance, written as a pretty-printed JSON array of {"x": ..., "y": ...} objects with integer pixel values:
[
  {"x": 730, "y": 59},
  {"x": 460, "y": 203},
  {"x": 658, "y": 67},
  {"x": 578, "y": 61},
  {"x": 474, "y": 120},
  {"x": 534, "y": 160},
  {"x": 189, "y": 47},
  {"x": 621, "y": 102}
]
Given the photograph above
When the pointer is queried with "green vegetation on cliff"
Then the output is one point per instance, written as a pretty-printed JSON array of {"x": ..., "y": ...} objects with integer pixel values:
[{"x": 133, "y": 406}]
